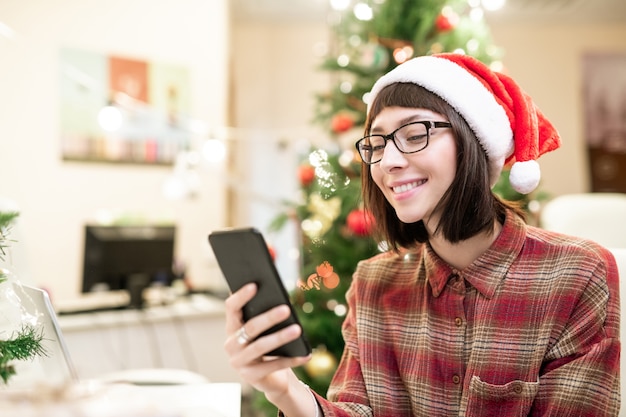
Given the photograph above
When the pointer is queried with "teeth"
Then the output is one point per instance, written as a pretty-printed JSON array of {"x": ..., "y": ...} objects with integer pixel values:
[{"x": 406, "y": 187}]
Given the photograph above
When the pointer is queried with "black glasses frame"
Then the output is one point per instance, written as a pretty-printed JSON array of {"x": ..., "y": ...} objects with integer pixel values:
[{"x": 392, "y": 137}]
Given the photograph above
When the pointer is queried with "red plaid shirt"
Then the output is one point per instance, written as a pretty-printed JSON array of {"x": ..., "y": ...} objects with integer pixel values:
[{"x": 531, "y": 328}]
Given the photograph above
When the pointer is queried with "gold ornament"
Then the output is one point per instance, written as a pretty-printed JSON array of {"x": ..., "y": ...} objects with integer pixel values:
[
  {"x": 322, "y": 363},
  {"x": 324, "y": 213}
]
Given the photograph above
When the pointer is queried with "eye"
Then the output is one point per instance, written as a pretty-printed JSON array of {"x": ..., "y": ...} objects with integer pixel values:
[
  {"x": 416, "y": 138},
  {"x": 375, "y": 143}
]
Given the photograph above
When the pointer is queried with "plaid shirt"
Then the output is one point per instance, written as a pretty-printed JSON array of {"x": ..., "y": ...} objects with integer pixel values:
[{"x": 531, "y": 328}]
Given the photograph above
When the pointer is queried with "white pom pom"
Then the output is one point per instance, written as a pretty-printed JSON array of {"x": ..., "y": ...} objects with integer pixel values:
[{"x": 525, "y": 176}]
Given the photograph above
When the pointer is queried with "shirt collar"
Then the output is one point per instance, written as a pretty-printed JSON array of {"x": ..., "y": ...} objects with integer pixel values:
[{"x": 486, "y": 272}]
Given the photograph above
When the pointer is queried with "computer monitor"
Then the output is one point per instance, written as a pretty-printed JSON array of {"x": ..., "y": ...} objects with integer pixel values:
[{"x": 127, "y": 257}]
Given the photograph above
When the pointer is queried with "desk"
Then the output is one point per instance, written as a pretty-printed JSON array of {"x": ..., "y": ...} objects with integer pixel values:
[
  {"x": 92, "y": 399},
  {"x": 188, "y": 334},
  {"x": 195, "y": 400}
]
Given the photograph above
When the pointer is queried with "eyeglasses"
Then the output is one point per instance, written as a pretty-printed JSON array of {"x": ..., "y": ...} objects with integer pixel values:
[{"x": 409, "y": 138}]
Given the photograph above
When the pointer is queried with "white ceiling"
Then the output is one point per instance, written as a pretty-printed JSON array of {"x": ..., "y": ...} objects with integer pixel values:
[{"x": 567, "y": 11}]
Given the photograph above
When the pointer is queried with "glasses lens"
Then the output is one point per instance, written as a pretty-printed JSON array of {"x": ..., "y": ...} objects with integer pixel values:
[
  {"x": 371, "y": 148},
  {"x": 412, "y": 137}
]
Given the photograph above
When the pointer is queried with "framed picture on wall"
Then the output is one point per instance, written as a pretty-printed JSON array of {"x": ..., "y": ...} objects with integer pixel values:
[
  {"x": 604, "y": 94},
  {"x": 122, "y": 110}
]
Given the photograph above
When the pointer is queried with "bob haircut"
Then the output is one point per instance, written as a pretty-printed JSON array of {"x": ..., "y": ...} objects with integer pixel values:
[{"x": 468, "y": 207}]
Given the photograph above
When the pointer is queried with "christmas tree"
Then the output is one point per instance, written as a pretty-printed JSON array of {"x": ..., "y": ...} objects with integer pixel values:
[
  {"x": 370, "y": 39},
  {"x": 26, "y": 342}
]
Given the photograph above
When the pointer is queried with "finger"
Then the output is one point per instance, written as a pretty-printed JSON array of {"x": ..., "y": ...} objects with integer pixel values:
[
  {"x": 233, "y": 305},
  {"x": 255, "y": 351},
  {"x": 255, "y": 326},
  {"x": 259, "y": 324}
]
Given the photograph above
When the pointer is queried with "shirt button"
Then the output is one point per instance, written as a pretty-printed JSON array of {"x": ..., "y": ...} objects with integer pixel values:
[
  {"x": 517, "y": 389},
  {"x": 456, "y": 379},
  {"x": 458, "y": 321}
]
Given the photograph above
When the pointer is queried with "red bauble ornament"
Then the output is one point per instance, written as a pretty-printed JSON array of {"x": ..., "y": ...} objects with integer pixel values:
[
  {"x": 443, "y": 23},
  {"x": 341, "y": 123},
  {"x": 360, "y": 222},
  {"x": 306, "y": 174}
]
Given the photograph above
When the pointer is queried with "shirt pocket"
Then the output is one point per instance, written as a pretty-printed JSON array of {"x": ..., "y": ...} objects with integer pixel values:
[{"x": 512, "y": 399}]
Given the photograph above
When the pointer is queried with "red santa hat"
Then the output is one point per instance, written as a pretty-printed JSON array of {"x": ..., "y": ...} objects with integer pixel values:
[{"x": 508, "y": 125}]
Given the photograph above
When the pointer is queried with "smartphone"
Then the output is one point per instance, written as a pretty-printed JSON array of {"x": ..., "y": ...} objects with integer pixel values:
[{"x": 243, "y": 256}]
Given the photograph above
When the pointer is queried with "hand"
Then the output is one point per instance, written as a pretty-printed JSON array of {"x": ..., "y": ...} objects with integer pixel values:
[{"x": 271, "y": 375}]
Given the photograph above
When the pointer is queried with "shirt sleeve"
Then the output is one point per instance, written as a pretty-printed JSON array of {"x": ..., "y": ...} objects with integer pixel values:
[
  {"x": 581, "y": 373},
  {"x": 347, "y": 395}
]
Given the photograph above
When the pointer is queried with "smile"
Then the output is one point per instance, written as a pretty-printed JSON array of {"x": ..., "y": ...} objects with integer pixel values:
[{"x": 408, "y": 186}]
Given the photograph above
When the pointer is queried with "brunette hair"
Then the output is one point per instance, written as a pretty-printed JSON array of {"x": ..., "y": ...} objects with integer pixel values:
[{"x": 468, "y": 207}]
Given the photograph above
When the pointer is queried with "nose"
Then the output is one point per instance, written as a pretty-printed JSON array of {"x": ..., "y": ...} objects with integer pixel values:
[{"x": 392, "y": 157}]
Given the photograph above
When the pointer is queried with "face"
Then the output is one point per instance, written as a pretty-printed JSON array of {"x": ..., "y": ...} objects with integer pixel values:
[{"x": 414, "y": 183}]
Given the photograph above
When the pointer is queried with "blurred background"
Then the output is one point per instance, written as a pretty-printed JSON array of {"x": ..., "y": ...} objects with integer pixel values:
[{"x": 202, "y": 115}]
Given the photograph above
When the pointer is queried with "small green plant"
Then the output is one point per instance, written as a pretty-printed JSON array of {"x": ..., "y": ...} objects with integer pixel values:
[{"x": 25, "y": 343}]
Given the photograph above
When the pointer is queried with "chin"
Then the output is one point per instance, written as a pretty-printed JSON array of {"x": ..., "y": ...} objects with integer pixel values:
[{"x": 408, "y": 218}]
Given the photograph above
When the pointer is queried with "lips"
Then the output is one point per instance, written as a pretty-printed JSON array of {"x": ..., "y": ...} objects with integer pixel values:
[{"x": 403, "y": 188}]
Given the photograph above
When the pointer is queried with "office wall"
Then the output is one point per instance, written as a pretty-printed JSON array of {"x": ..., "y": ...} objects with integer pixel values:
[
  {"x": 545, "y": 58},
  {"x": 56, "y": 198}
]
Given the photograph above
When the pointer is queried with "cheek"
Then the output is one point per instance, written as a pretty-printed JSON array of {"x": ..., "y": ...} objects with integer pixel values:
[{"x": 446, "y": 162}]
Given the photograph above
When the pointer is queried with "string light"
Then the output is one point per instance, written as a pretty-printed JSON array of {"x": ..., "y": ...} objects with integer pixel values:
[
  {"x": 476, "y": 14},
  {"x": 400, "y": 55},
  {"x": 339, "y": 4},
  {"x": 110, "y": 118},
  {"x": 473, "y": 45},
  {"x": 363, "y": 12},
  {"x": 214, "y": 150},
  {"x": 493, "y": 4},
  {"x": 343, "y": 60}
]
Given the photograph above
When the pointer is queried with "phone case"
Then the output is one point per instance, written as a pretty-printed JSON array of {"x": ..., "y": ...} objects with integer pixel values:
[{"x": 243, "y": 256}]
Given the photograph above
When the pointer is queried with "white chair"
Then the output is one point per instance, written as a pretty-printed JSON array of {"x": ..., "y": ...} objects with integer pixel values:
[{"x": 600, "y": 217}]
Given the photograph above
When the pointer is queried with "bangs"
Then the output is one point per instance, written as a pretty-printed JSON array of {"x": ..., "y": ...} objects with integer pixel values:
[{"x": 406, "y": 95}]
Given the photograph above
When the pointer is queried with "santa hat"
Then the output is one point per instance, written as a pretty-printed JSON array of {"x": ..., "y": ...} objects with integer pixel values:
[{"x": 508, "y": 125}]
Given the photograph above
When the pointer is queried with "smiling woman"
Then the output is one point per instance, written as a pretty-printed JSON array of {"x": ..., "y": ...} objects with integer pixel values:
[{"x": 459, "y": 316}]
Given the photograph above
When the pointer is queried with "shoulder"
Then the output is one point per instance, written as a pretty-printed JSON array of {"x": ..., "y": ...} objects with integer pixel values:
[
  {"x": 565, "y": 248},
  {"x": 571, "y": 264}
]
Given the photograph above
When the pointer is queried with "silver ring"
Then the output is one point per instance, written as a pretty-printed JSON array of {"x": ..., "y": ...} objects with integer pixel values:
[{"x": 242, "y": 336}]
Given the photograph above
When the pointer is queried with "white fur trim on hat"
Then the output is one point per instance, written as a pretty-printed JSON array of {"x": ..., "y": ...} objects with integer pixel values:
[
  {"x": 467, "y": 95},
  {"x": 524, "y": 176}
]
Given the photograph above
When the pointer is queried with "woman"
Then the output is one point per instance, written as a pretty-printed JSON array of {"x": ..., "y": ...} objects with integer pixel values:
[{"x": 472, "y": 313}]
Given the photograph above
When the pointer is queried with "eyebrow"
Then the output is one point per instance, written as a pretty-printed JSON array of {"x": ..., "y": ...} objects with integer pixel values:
[{"x": 402, "y": 122}]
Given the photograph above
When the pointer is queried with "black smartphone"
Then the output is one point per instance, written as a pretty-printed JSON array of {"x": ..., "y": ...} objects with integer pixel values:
[{"x": 243, "y": 256}]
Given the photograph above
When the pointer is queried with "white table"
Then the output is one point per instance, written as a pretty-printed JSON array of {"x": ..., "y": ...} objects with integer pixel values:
[
  {"x": 195, "y": 400},
  {"x": 95, "y": 399}
]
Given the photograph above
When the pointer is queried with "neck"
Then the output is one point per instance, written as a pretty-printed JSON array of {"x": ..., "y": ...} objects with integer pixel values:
[{"x": 460, "y": 255}]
